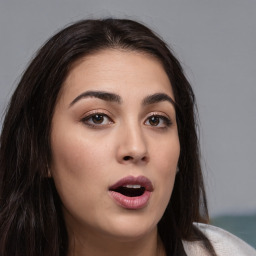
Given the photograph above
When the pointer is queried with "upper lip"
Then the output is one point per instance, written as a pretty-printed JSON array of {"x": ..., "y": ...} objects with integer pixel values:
[{"x": 131, "y": 180}]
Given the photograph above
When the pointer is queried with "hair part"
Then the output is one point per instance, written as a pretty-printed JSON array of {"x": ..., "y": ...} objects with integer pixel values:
[{"x": 31, "y": 221}]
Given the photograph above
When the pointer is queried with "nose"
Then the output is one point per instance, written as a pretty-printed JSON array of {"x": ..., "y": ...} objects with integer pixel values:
[{"x": 132, "y": 146}]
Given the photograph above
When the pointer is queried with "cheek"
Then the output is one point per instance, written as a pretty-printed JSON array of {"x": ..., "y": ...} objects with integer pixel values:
[
  {"x": 76, "y": 168},
  {"x": 76, "y": 153},
  {"x": 166, "y": 160},
  {"x": 77, "y": 171},
  {"x": 167, "y": 156}
]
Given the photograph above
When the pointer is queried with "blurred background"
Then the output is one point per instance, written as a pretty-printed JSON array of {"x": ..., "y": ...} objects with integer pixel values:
[{"x": 216, "y": 44}]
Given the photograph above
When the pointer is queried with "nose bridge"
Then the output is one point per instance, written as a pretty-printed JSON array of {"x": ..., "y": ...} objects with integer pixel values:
[
  {"x": 135, "y": 136},
  {"x": 133, "y": 145}
]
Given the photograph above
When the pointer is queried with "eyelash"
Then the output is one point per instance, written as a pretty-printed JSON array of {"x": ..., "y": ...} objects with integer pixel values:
[
  {"x": 87, "y": 120},
  {"x": 166, "y": 121}
]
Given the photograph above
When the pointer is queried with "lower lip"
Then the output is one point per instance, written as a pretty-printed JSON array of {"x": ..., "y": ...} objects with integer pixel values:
[{"x": 133, "y": 203}]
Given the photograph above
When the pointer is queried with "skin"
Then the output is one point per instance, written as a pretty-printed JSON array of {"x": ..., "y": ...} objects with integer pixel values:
[{"x": 89, "y": 154}]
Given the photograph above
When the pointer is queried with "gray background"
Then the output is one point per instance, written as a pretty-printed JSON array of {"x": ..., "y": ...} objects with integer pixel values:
[{"x": 216, "y": 43}]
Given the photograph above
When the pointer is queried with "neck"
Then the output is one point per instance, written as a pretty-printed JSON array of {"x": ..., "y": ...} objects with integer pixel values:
[{"x": 104, "y": 245}]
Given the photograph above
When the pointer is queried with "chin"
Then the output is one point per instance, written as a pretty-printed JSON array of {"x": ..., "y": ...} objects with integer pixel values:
[{"x": 132, "y": 227}]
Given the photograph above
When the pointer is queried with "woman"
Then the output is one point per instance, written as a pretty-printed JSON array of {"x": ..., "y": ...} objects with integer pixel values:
[{"x": 99, "y": 151}]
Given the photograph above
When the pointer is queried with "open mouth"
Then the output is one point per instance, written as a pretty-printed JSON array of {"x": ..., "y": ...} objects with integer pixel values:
[
  {"x": 132, "y": 186},
  {"x": 130, "y": 190}
]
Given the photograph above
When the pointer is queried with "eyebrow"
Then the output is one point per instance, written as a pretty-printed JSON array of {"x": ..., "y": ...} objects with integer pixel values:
[
  {"x": 107, "y": 96},
  {"x": 112, "y": 97},
  {"x": 156, "y": 98}
]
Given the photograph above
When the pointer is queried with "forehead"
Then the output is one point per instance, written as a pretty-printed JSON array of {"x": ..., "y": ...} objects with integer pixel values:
[{"x": 119, "y": 71}]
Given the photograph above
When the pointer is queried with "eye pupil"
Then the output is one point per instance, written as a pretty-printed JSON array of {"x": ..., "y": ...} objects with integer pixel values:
[
  {"x": 97, "y": 119},
  {"x": 154, "y": 120}
]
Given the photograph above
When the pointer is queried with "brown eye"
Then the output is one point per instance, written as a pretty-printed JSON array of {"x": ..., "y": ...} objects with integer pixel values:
[
  {"x": 158, "y": 121},
  {"x": 154, "y": 120},
  {"x": 97, "y": 119}
]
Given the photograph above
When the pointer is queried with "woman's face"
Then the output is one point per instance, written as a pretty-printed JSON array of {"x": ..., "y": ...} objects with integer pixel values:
[{"x": 115, "y": 144}]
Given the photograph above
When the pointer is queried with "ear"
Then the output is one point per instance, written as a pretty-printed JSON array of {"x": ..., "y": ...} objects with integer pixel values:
[
  {"x": 177, "y": 169},
  {"x": 49, "y": 175}
]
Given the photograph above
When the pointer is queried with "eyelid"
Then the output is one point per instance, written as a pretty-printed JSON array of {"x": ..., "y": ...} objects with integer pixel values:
[
  {"x": 96, "y": 111},
  {"x": 160, "y": 114},
  {"x": 167, "y": 120},
  {"x": 92, "y": 113}
]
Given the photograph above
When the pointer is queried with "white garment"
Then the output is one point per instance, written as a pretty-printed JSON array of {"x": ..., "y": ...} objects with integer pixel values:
[{"x": 224, "y": 243}]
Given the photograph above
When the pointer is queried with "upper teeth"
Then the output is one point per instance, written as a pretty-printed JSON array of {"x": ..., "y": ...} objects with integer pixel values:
[{"x": 132, "y": 186}]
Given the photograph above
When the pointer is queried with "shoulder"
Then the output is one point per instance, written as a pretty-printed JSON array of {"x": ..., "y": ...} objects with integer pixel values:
[{"x": 224, "y": 243}]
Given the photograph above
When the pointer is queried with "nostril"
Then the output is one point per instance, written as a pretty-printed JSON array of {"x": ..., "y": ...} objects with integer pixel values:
[
  {"x": 144, "y": 158},
  {"x": 126, "y": 158}
]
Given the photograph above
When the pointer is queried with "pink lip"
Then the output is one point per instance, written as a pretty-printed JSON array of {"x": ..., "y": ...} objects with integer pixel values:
[{"x": 127, "y": 202}]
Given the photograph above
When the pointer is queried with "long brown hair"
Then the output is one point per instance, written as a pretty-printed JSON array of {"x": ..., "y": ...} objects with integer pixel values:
[{"x": 31, "y": 221}]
